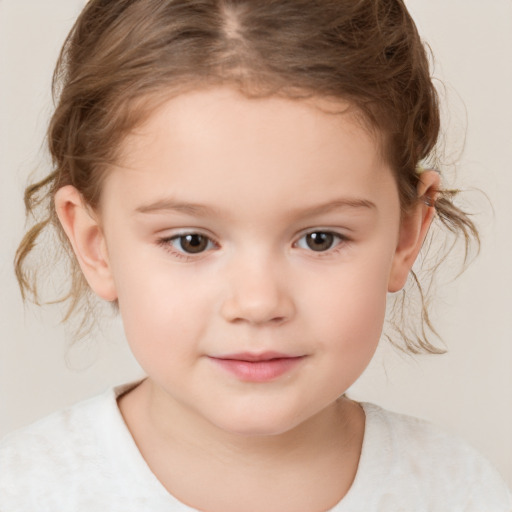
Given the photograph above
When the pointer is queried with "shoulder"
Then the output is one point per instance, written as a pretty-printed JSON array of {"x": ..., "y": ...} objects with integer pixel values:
[
  {"x": 59, "y": 457},
  {"x": 47, "y": 432},
  {"x": 54, "y": 442},
  {"x": 408, "y": 435},
  {"x": 420, "y": 461}
]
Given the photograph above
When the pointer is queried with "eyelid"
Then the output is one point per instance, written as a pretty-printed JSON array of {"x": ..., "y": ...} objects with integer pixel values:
[
  {"x": 332, "y": 231},
  {"x": 165, "y": 242},
  {"x": 343, "y": 239}
]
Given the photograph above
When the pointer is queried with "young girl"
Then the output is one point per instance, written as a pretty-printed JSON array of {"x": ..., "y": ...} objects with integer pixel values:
[{"x": 246, "y": 182}]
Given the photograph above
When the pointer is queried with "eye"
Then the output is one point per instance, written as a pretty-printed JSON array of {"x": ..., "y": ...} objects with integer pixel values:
[
  {"x": 320, "y": 241},
  {"x": 189, "y": 243}
]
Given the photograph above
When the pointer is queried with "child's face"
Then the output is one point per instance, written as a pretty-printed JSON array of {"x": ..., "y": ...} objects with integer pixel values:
[{"x": 293, "y": 221}]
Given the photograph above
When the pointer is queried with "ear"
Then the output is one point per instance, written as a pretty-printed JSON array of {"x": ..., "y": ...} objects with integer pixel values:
[
  {"x": 413, "y": 229},
  {"x": 84, "y": 232}
]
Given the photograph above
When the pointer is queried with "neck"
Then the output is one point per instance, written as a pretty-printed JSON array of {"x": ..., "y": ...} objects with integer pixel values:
[{"x": 309, "y": 467}]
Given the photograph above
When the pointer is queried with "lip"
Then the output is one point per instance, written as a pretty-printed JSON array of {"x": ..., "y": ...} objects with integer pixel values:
[{"x": 257, "y": 367}]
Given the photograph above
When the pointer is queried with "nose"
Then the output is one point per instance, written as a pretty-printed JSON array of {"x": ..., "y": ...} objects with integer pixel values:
[{"x": 259, "y": 292}]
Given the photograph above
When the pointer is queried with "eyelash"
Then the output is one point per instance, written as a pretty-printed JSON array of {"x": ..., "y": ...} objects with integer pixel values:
[{"x": 166, "y": 243}]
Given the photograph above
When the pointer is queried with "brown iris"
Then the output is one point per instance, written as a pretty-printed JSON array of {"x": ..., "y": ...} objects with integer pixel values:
[
  {"x": 193, "y": 243},
  {"x": 319, "y": 241}
]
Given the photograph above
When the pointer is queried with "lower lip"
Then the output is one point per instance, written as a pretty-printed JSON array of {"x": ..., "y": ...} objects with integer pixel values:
[{"x": 258, "y": 371}]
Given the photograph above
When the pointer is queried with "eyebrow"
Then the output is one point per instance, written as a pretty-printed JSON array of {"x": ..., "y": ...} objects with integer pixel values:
[
  {"x": 165, "y": 205},
  {"x": 337, "y": 204},
  {"x": 201, "y": 210}
]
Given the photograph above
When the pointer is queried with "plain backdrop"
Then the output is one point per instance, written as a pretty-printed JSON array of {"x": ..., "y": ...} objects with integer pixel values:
[{"x": 468, "y": 391}]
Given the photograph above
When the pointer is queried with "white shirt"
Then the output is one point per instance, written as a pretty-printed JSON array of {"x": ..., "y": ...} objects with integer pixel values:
[{"x": 83, "y": 459}]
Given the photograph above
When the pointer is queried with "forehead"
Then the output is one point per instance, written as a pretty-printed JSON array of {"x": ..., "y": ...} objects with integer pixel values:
[
  {"x": 249, "y": 146},
  {"x": 216, "y": 110}
]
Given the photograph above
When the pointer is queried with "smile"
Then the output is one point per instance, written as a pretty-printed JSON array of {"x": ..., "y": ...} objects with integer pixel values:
[{"x": 265, "y": 367}]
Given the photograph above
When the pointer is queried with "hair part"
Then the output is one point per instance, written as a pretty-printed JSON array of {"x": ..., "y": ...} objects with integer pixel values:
[{"x": 123, "y": 58}]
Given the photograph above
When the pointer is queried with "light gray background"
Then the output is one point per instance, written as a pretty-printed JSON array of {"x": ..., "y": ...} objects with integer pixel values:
[{"x": 468, "y": 391}]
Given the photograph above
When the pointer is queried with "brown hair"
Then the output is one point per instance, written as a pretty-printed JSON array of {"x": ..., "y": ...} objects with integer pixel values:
[{"x": 123, "y": 56}]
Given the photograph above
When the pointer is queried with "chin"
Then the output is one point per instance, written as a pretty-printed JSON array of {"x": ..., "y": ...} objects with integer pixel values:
[{"x": 257, "y": 424}]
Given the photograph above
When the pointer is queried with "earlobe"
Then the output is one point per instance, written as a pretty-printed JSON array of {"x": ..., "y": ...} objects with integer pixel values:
[
  {"x": 413, "y": 230},
  {"x": 84, "y": 232}
]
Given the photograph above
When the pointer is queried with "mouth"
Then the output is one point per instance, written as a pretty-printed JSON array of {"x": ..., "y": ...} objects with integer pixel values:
[{"x": 257, "y": 367}]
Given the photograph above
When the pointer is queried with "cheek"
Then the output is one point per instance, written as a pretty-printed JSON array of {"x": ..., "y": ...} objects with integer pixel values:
[
  {"x": 356, "y": 321},
  {"x": 348, "y": 308},
  {"x": 163, "y": 307},
  {"x": 355, "y": 332},
  {"x": 357, "y": 289}
]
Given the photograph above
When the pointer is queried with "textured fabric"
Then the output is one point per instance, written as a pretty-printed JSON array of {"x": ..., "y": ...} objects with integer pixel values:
[{"x": 84, "y": 459}]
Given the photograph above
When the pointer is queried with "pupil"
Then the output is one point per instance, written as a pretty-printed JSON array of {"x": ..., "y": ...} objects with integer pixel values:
[
  {"x": 319, "y": 241},
  {"x": 193, "y": 243}
]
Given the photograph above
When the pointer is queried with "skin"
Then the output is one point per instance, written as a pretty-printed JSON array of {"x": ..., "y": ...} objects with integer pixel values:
[{"x": 270, "y": 171}]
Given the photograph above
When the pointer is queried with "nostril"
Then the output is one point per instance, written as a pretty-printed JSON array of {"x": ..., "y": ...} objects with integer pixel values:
[
  {"x": 257, "y": 292},
  {"x": 271, "y": 311}
]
